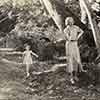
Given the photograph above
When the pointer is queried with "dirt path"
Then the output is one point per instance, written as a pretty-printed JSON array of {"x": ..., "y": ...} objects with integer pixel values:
[
  {"x": 52, "y": 86},
  {"x": 14, "y": 85},
  {"x": 11, "y": 83}
]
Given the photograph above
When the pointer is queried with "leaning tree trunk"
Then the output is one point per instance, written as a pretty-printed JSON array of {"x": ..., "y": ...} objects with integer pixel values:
[{"x": 53, "y": 13}]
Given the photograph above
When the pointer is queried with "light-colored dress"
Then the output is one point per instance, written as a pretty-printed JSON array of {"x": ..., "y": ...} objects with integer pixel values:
[
  {"x": 27, "y": 57},
  {"x": 72, "y": 49}
]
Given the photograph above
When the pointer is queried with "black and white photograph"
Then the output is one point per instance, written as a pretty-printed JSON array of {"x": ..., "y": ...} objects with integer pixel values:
[{"x": 49, "y": 49}]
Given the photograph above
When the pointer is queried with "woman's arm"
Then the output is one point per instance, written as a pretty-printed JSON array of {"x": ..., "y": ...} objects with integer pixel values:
[{"x": 80, "y": 33}]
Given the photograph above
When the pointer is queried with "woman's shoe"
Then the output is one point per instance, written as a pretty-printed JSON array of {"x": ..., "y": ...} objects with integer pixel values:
[
  {"x": 72, "y": 81},
  {"x": 28, "y": 74}
]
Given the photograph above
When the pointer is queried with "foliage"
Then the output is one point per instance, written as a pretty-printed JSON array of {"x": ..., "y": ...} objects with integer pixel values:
[{"x": 30, "y": 24}]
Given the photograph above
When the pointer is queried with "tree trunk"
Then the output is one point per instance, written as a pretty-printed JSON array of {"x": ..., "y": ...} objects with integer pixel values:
[{"x": 53, "y": 13}]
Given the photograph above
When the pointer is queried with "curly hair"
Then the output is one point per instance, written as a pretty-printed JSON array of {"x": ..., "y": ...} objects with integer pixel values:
[{"x": 69, "y": 20}]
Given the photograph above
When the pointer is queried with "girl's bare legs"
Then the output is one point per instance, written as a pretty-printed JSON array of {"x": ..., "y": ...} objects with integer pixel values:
[{"x": 27, "y": 69}]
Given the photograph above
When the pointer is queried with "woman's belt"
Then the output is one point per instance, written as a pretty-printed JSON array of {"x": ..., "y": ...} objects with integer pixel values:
[{"x": 73, "y": 40}]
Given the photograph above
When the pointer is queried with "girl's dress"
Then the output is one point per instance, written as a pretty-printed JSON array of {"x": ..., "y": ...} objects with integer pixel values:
[
  {"x": 72, "y": 50},
  {"x": 27, "y": 57}
]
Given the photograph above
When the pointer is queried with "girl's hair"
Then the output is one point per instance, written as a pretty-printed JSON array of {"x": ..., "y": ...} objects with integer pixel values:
[
  {"x": 69, "y": 20},
  {"x": 26, "y": 45}
]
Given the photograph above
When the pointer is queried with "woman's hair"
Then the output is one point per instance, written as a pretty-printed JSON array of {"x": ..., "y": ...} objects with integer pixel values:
[{"x": 69, "y": 20}]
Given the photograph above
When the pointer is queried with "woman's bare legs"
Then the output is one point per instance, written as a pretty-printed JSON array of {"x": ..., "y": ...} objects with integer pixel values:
[
  {"x": 72, "y": 78},
  {"x": 76, "y": 76},
  {"x": 80, "y": 65},
  {"x": 71, "y": 69}
]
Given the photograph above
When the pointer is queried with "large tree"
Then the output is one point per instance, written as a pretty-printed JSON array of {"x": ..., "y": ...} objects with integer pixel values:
[{"x": 58, "y": 11}]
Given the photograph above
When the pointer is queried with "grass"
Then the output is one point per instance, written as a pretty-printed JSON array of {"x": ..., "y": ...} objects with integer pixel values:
[{"x": 49, "y": 86}]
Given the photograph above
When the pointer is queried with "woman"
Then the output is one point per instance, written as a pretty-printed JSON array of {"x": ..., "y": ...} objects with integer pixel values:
[{"x": 72, "y": 34}]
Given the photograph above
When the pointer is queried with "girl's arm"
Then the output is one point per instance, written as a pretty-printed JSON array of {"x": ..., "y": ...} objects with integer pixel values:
[{"x": 34, "y": 54}]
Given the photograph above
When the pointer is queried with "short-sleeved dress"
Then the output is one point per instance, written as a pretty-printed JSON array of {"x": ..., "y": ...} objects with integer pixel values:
[
  {"x": 72, "y": 50},
  {"x": 27, "y": 57}
]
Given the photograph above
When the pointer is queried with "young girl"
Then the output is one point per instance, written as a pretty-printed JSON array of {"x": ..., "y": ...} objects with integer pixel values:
[
  {"x": 72, "y": 34},
  {"x": 28, "y": 58}
]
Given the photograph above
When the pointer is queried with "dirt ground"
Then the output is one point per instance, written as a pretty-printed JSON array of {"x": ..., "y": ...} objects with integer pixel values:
[{"x": 47, "y": 86}]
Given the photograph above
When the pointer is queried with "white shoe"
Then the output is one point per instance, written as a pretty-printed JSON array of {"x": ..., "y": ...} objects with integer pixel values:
[{"x": 72, "y": 81}]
